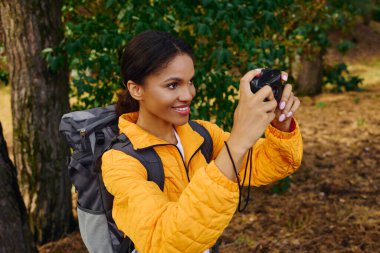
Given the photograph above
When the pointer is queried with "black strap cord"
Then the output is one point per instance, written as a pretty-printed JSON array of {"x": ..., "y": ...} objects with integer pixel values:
[
  {"x": 249, "y": 160},
  {"x": 126, "y": 246}
]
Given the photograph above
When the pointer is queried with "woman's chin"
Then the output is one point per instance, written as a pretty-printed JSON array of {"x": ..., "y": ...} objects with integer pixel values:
[{"x": 181, "y": 122}]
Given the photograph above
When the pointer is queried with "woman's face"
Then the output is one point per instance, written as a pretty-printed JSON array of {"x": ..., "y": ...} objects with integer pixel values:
[{"x": 167, "y": 94}]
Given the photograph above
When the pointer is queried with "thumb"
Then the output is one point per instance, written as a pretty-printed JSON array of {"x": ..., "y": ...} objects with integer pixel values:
[{"x": 245, "y": 86}]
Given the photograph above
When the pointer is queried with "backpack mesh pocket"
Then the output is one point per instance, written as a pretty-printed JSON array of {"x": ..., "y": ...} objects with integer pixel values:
[{"x": 94, "y": 231}]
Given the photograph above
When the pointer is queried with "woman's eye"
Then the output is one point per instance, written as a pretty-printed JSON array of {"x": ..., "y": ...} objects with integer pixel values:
[
  {"x": 172, "y": 86},
  {"x": 191, "y": 82}
]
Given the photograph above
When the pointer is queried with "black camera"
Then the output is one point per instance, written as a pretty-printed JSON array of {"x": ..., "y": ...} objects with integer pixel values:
[{"x": 271, "y": 77}]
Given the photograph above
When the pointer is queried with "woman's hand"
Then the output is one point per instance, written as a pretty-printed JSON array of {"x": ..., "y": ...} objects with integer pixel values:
[
  {"x": 287, "y": 107},
  {"x": 252, "y": 116},
  {"x": 253, "y": 113}
]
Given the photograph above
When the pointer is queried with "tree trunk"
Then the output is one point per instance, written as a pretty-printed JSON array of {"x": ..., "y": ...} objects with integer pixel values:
[
  {"x": 311, "y": 72},
  {"x": 15, "y": 235},
  {"x": 39, "y": 98}
]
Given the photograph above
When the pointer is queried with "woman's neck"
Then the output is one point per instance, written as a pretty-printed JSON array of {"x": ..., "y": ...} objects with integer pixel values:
[{"x": 157, "y": 127}]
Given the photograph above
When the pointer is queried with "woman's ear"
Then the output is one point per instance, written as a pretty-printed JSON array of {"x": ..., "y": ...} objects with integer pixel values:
[{"x": 135, "y": 90}]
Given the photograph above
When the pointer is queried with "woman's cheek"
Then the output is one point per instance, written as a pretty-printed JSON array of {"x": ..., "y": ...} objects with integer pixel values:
[{"x": 193, "y": 91}]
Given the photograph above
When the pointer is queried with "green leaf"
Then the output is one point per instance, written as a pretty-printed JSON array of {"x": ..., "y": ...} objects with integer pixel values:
[
  {"x": 344, "y": 46},
  {"x": 109, "y": 3},
  {"x": 321, "y": 105},
  {"x": 47, "y": 51}
]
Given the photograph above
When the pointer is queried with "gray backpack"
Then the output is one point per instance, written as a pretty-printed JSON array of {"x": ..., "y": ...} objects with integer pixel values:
[{"x": 90, "y": 133}]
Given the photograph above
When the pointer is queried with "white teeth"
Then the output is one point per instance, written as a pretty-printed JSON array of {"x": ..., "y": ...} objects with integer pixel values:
[{"x": 182, "y": 109}]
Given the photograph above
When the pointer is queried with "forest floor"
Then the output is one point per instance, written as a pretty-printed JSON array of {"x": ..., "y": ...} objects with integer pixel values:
[{"x": 332, "y": 204}]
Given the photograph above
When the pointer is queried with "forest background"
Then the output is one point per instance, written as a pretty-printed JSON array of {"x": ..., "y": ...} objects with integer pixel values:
[{"x": 58, "y": 56}]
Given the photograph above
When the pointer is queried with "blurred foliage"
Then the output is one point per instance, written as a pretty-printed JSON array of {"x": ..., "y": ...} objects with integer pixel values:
[
  {"x": 368, "y": 9},
  {"x": 229, "y": 38},
  {"x": 337, "y": 79},
  {"x": 344, "y": 46},
  {"x": 360, "y": 122},
  {"x": 282, "y": 185},
  {"x": 4, "y": 75},
  {"x": 321, "y": 105},
  {"x": 54, "y": 58},
  {"x": 376, "y": 13}
]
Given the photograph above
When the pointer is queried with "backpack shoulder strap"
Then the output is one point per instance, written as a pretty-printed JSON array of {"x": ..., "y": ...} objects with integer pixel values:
[
  {"x": 147, "y": 157},
  {"x": 206, "y": 148},
  {"x": 153, "y": 165}
]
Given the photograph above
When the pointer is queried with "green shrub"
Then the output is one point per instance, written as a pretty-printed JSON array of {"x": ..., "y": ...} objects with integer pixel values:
[
  {"x": 338, "y": 79},
  {"x": 229, "y": 38},
  {"x": 4, "y": 77}
]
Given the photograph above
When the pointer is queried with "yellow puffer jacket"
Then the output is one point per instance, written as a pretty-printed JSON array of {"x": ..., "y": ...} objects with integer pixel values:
[{"x": 187, "y": 216}]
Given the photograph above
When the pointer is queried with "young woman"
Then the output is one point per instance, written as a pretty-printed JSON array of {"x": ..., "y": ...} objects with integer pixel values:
[{"x": 199, "y": 198}]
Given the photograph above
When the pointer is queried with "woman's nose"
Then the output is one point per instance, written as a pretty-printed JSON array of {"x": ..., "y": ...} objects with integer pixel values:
[{"x": 186, "y": 93}]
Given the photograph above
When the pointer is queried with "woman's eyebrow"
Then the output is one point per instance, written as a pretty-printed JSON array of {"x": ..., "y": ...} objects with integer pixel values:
[
  {"x": 173, "y": 79},
  {"x": 178, "y": 79}
]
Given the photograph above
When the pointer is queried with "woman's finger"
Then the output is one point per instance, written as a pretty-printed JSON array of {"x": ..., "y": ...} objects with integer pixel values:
[
  {"x": 285, "y": 96},
  {"x": 295, "y": 106},
  {"x": 286, "y": 113},
  {"x": 284, "y": 76},
  {"x": 287, "y": 110},
  {"x": 265, "y": 93},
  {"x": 270, "y": 106}
]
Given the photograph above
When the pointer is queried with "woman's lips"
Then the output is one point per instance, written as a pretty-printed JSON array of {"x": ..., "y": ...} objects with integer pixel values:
[{"x": 183, "y": 110}]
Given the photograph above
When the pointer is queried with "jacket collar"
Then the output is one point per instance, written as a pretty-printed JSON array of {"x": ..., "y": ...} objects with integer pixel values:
[{"x": 141, "y": 139}]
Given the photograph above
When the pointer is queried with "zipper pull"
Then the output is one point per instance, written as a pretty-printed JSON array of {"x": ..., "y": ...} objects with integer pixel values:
[{"x": 82, "y": 132}]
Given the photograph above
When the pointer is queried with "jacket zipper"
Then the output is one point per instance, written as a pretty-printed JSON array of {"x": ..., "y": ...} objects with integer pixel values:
[
  {"x": 184, "y": 163},
  {"x": 196, "y": 151}
]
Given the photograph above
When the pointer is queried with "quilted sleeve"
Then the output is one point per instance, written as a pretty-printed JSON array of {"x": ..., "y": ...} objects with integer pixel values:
[
  {"x": 155, "y": 224},
  {"x": 274, "y": 157}
]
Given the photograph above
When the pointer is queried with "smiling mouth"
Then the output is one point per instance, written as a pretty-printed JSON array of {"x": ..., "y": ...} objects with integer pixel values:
[{"x": 182, "y": 109}]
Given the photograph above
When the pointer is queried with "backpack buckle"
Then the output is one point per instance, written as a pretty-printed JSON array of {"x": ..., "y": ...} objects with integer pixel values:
[{"x": 100, "y": 138}]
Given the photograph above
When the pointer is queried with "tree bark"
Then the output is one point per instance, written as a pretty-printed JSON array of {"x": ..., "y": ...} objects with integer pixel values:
[
  {"x": 311, "y": 73},
  {"x": 15, "y": 235},
  {"x": 39, "y": 98}
]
